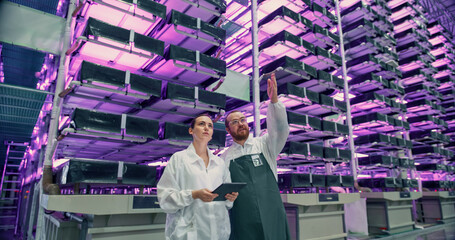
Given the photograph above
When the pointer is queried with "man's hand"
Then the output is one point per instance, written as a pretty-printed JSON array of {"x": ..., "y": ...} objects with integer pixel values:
[
  {"x": 204, "y": 194},
  {"x": 231, "y": 196},
  {"x": 272, "y": 88}
]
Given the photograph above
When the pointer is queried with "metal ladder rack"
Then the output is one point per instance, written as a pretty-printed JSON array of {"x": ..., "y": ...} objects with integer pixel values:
[{"x": 10, "y": 185}]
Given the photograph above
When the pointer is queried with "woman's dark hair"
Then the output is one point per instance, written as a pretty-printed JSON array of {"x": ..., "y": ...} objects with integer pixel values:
[{"x": 200, "y": 115}]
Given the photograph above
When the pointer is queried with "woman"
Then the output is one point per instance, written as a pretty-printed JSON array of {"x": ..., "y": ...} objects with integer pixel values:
[{"x": 184, "y": 190}]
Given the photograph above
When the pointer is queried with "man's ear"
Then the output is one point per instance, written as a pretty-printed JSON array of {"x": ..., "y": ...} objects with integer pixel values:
[
  {"x": 227, "y": 130},
  {"x": 190, "y": 131}
]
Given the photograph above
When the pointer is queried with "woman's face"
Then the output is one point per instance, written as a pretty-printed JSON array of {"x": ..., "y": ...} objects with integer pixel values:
[{"x": 203, "y": 129}]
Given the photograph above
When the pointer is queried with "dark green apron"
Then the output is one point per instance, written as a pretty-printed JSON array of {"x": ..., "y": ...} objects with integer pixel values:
[{"x": 258, "y": 212}]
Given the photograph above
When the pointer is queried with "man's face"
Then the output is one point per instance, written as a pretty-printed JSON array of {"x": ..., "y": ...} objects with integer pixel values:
[{"x": 238, "y": 126}]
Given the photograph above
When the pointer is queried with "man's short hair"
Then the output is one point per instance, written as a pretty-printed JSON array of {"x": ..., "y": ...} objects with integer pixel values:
[
  {"x": 226, "y": 122},
  {"x": 193, "y": 122}
]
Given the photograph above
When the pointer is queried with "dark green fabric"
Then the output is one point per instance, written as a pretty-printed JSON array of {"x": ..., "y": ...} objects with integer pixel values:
[
  {"x": 292, "y": 63},
  {"x": 347, "y": 181},
  {"x": 216, "y": 32},
  {"x": 258, "y": 212},
  {"x": 98, "y": 28},
  {"x": 318, "y": 180},
  {"x": 179, "y": 92},
  {"x": 322, "y": 52},
  {"x": 345, "y": 155},
  {"x": 316, "y": 150},
  {"x": 309, "y": 46},
  {"x": 219, "y": 4},
  {"x": 98, "y": 121},
  {"x": 394, "y": 161},
  {"x": 97, "y": 73},
  {"x": 82, "y": 171},
  {"x": 336, "y": 58},
  {"x": 389, "y": 182},
  {"x": 91, "y": 172},
  {"x": 175, "y": 131},
  {"x": 404, "y": 162},
  {"x": 146, "y": 85},
  {"x": 296, "y": 148},
  {"x": 341, "y": 105},
  {"x": 308, "y": 23},
  {"x": 176, "y": 91},
  {"x": 330, "y": 153},
  {"x": 212, "y": 98},
  {"x": 149, "y": 44},
  {"x": 328, "y": 126},
  {"x": 401, "y": 142},
  {"x": 343, "y": 129},
  {"x": 299, "y": 119},
  {"x": 291, "y": 38},
  {"x": 152, "y": 7},
  {"x": 213, "y": 63},
  {"x": 294, "y": 180},
  {"x": 181, "y": 54},
  {"x": 333, "y": 181},
  {"x": 334, "y": 37},
  {"x": 187, "y": 21},
  {"x": 319, "y": 29},
  {"x": 142, "y": 127},
  {"x": 181, "y": 19},
  {"x": 289, "y": 13},
  {"x": 310, "y": 70},
  {"x": 139, "y": 174},
  {"x": 326, "y": 100},
  {"x": 300, "y": 92}
]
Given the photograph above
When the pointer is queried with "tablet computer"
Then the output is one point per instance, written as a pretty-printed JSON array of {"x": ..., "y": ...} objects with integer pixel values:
[{"x": 226, "y": 188}]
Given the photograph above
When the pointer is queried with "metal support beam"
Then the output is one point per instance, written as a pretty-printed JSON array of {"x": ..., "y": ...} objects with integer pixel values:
[
  {"x": 346, "y": 94},
  {"x": 255, "y": 56}
]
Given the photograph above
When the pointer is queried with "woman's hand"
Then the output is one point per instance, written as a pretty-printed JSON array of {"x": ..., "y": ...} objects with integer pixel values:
[
  {"x": 204, "y": 194},
  {"x": 231, "y": 196}
]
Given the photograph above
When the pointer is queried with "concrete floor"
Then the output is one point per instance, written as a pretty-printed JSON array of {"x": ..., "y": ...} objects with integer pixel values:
[{"x": 436, "y": 232}]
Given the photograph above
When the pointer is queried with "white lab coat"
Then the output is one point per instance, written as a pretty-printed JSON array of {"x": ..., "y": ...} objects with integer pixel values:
[
  {"x": 189, "y": 218},
  {"x": 269, "y": 144}
]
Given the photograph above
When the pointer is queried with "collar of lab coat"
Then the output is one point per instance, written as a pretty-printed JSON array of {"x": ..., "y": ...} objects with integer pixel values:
[
  {"x": 249, "y": 141},
  {"x": 194, "y": 157}
]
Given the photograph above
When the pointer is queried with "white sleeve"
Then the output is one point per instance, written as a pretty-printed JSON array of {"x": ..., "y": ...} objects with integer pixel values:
[
  {"x": 277, "y": 128},
  {"x": 170, "y": 195}
]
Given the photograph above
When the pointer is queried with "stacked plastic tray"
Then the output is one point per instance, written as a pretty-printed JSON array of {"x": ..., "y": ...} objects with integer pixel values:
[
  {"x": 137, "y": 75},
  {"x": 427, "y": 71},
  {"x": 377, "y": 104},
  {"x": 299, "y": 42}
]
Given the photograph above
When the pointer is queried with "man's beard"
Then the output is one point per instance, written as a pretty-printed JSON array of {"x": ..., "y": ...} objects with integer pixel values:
[{"x": 241, "y": 136}]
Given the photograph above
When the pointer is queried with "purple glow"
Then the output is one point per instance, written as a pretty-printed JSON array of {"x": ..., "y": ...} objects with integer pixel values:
[
  {"x": 440, "y": 62},
  {"x": 57, "y": 162},
  {"x": 121, "y": 19},
  {"x": 402, "y": 13},
  {"x": 108, "y": 54},
  {"x": 410, "y": 66},
  {"x": 437, "y": 40},
  {"x": 63, "y": 121}
]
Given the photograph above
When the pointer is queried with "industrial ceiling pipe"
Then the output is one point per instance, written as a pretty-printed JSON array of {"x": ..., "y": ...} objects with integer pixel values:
[{"x": 47, "y": 181}]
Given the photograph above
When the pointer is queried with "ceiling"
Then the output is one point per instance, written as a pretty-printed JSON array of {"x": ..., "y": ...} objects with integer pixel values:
[{"x": 20, "y": 103}]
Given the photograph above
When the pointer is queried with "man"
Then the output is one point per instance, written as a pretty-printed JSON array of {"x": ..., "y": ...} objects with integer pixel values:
[{"x": 258, "y": 212}]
